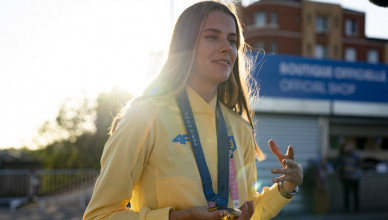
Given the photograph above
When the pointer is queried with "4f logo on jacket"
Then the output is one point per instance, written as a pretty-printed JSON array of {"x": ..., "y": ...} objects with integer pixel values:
[{"x": 183, "y": 138}]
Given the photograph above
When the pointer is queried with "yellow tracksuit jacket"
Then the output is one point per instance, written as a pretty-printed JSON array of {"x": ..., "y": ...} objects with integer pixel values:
[{"x": 149, "y": 162}]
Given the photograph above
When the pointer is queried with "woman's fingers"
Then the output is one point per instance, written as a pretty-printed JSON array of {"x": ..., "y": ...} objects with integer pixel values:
[
  {"x": 294, "y": 175},
  {"x": 282, "y": 171},
  {"x": 291, "y": 171},
  {"x": 290, "y": 163},
  {"x": 279, "y": 179},
  {"x": 290, "y": 152},
  {"x": 275, "y": 150},
  {"x": 247, "y": 210},
  {"x": 296, "y": 180}
]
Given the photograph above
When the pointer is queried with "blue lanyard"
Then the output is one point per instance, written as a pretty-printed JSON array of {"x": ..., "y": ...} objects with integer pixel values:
[{"x": 220, "y": 199}]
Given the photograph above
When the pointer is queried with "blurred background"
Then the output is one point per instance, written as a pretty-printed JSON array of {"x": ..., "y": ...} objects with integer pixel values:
[{"x": 67, "y": 67}]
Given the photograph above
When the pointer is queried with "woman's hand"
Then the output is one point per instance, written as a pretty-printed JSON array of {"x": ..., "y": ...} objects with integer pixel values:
[
  {"x": 247, "y": 210},
  {"x": 292, "y": 171},
  {"x": 201, "y": 212}
]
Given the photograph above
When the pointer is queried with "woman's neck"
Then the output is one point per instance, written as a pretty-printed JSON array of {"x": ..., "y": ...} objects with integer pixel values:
[{"x": 207, "y": 92}]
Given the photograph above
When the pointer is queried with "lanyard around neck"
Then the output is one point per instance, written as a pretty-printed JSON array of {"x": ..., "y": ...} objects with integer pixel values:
[{"x": 221, "y": 198}]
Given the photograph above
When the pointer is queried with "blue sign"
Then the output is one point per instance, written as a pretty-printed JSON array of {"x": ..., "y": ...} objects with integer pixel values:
[{"x": 296, "y": 77}]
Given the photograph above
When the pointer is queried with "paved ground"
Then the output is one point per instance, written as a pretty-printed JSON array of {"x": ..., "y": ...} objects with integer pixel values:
[
  {"x": 337, "y": 216},
  {"x": 72, "y": 211},
  {"x": 70, "y": 206},
  {"x": 32, "y": 212}
]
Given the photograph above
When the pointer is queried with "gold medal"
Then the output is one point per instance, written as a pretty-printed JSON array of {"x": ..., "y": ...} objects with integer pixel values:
[
  {"x": 229, "y": 216},
  {"x": 229, "y": 213}
]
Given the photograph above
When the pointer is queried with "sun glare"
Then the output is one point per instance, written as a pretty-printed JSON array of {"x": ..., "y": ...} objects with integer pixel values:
[
  {"x": 138, "y": 76},
  {"x": 54, "y": 50}
]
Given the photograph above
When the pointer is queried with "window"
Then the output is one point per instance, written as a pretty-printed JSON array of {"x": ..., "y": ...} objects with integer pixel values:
[
  {"x": 297, "y": 49},
  {"x": 373, "y": 56},
  {"x": 274, "y": 18},
  {"x": 350, "y": 27},
  {"x": 370, "y": 138},
  {"x": 350, "y": 54},
  {"x": 320, "y": 51},
  {"x": 259, "y": 45},
  {"x": 321, "y": 24},
  {"x": 309, "y": 49},
  {"x": 274, "y": 46},
  {"x": 260, "y": 18},
  {"x": 363, "y": 142}
]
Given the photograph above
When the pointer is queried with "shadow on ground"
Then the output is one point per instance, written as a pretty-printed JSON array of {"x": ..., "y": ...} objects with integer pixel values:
[{"x": 33, "y": 212}]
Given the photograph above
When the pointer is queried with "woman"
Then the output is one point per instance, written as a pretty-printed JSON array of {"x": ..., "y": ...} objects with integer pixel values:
[{"x": 166, "y": 167}]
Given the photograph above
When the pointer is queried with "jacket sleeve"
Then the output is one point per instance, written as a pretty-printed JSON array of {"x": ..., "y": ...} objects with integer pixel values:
[
  {"x": 269, "y": 201},
  {"x": 124, "y": 156}
]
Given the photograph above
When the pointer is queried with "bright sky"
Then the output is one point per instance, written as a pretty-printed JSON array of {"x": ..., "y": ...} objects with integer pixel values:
[{"x": 51, "y": 50}]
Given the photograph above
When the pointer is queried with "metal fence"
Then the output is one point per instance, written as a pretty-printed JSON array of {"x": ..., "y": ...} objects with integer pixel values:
[{"x": 19, "y": 186}]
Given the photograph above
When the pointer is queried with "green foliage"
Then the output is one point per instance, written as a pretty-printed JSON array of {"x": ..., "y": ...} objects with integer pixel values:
[
  {"x": 74, "y": 118},
  {"x": 77, "y": 136}
]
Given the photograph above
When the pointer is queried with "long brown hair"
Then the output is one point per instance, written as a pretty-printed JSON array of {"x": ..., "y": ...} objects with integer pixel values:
[{"x": 234, "y": 93}]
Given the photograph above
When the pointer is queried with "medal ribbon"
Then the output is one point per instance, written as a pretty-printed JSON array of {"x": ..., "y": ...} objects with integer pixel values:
[{"x": 224, "y": 160}]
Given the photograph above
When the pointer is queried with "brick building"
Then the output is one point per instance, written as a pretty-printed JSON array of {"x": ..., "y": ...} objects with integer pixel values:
[
  {"x": 326, "y": 84},
  {"x": 311, "y": 29}
]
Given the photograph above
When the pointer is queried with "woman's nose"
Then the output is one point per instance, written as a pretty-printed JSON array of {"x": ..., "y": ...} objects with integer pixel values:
[{"x": 226, "y": 46}]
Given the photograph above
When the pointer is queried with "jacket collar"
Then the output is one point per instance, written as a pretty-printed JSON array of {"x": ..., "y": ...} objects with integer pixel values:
[{"x": 198, "y": 104}]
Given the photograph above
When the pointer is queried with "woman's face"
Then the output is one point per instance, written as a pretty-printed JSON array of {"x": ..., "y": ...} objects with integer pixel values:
[{"x": 216, "y": 50}]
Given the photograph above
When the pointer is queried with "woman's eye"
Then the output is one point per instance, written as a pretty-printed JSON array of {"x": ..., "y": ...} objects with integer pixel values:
[
  {"x": 233, "y": 42},
  {"x": 211, "y": 37}
]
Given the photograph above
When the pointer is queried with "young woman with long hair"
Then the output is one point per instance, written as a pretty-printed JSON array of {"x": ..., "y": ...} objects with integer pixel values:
[{"x": 186, "y": 148}]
